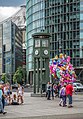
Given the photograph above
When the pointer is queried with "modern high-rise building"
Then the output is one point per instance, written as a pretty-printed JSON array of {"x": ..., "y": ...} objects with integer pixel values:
[
  {"x": 11, "y": 48},
  {"x": 35, "y": 22},
  {"x": 12, "y": 42},
  {"x": 63, "y": 19}
]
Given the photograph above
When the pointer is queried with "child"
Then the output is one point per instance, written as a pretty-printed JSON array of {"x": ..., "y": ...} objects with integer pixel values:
[{"x": 14, "y": 101}]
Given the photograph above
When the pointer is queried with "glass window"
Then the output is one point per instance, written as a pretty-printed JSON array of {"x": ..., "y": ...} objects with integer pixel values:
[
  {"x": 30, "y": 65},
  {"x": 81, "y": 34},
  {"x": 81, "y": 25},
  {"x": 81, "y": 6},
  {"x": 81, "y": 16},
  {"x": 37, "y": 43},
  {"x": 30, "y": 58},
  {"x": 44, "y": 43},
  {"x": 30, "y": 50}
]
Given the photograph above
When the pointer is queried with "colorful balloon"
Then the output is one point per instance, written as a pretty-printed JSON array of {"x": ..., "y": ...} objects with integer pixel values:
[{"x": 61, "y": 69}]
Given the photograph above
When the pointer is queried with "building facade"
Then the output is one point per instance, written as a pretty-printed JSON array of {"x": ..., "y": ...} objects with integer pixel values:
[
  {"x": 11, "y": 45},
  {"x": 63, "y": 19},
  {"x": 35, "y": 16},
  {"x": 1, "y": 49},
  {"x": 12, "y": 42}
]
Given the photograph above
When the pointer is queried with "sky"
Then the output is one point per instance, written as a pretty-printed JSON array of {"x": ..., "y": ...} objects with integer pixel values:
[
  {"x": 9, "y": 7},
  {"x": 11, "y": 2}
]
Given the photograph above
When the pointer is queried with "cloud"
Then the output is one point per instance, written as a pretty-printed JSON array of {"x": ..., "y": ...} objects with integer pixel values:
[{"x": 6, "y": 12}]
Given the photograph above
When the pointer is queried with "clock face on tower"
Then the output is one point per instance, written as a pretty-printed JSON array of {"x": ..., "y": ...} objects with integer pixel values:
[
  {"x": 36, "y": 52},
  {"x": 45, "y": 52}
]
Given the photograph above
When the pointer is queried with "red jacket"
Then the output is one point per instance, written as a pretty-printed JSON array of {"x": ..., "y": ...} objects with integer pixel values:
[{"x": 69, "y": 89}]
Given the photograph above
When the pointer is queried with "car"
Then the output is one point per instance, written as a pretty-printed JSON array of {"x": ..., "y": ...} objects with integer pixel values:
[{"x": 78, "y": 87}]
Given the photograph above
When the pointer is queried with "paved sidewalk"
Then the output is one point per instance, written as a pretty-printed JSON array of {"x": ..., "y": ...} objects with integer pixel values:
[{"x": 41, "y": 108}]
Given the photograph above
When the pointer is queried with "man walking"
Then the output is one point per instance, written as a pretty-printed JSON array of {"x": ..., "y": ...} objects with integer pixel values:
[{"x": 69, "y": 92}]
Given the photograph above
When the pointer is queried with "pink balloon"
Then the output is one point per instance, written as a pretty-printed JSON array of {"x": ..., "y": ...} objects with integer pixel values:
[{"x": 68, "y": 58}]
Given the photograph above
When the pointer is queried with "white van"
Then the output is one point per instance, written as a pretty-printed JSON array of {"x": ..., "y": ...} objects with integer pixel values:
[{"x": 78, "y": 87}]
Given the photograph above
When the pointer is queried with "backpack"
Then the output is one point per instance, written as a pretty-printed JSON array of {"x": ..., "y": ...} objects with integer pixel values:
[{"x": 62, "y": 92}]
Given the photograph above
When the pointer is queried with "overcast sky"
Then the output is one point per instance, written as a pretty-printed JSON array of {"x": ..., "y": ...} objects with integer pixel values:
[
  {"x": 12, "y": 2},
  {"x": 9, "y": 7}
]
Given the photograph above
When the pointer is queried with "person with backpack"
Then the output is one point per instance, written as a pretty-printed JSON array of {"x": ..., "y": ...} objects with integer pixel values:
[{"x": 63, "y": 96}]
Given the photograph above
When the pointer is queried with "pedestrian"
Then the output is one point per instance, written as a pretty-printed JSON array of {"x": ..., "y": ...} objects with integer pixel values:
[
  {"x": 58, "y": 89},
  {"x": 9, "y": 92},
  {"x": 14, "y": 100},
  {"x": 3, "y": 96},
  {"x": 20, "y": 92},
  {"x": 48, "y": 90},
  {"x": 63, "y": 96},
  {"x": 52, "y": 90},
  {"x": 55, "y": 90},
  {"x": 69, "y": 92},
  {"x": 1, "y": 104}
]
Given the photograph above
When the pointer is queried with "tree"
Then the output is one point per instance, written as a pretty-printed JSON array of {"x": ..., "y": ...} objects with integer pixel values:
[
  {"x": 19, "y": 75},
  {"x": 4, "y": 78}
]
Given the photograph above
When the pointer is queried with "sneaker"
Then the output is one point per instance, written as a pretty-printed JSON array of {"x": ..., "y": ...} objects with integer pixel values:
[
  {"x": 48, "y": 99},
  {"x": 70, "y": 106},
  {"x": 4, "y": 112},
  {"x": 64, "y": 105},
  {"x": 1, "y": 112},
  {"x": 60, "y": 105}
]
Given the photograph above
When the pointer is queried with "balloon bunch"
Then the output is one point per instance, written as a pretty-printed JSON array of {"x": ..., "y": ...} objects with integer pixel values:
[{"x": 61, "y": 69}]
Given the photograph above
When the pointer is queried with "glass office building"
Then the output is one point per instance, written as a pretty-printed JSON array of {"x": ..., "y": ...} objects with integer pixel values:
[
  {"x": 11, "y": 48},
  {"x": 0, "y": 49},
  {"x": 35, "y": 20},
  {"x": 63, "y": 19}
]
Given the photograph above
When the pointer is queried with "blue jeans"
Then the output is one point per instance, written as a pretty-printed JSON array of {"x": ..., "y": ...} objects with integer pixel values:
[
  {"x": 1, "y": 106},
  {"x": 64, "y": 100},
  {"x": 52, "y": 93},
  {"x": 48, "y": 94},
  {"x": 70, "y": 99}
]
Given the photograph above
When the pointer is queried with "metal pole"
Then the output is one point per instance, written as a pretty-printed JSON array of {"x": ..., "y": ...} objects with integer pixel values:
[
  {"x": 37, "y": 75},
  {"x": 41, "y": 75},
  {"x": 34, "y": 75}
]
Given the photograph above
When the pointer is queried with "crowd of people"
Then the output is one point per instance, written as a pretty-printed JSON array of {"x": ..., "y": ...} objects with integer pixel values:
[
  {"x": 62, "y": 91},
  {"x": 9, "y": 98}
]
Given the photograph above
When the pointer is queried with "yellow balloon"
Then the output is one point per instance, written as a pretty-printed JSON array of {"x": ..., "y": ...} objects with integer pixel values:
[
  {"x": 56, "y": 57},
  {"x": 61, "y": 55}
]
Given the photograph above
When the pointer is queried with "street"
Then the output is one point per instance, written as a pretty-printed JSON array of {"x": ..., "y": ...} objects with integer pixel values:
[{"x": 41, "y": 108}]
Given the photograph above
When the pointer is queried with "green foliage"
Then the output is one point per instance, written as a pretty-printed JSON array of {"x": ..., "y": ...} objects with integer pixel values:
[
  {"x": 19, "y": 75},
  {"x": 4, "y": 78}
]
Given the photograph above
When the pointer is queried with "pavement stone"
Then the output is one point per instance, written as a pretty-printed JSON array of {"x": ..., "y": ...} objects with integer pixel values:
[{"x": 41, "y": 108}]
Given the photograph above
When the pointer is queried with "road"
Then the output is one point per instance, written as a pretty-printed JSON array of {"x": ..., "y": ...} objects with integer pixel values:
[{"x": 41, "y": 108}]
